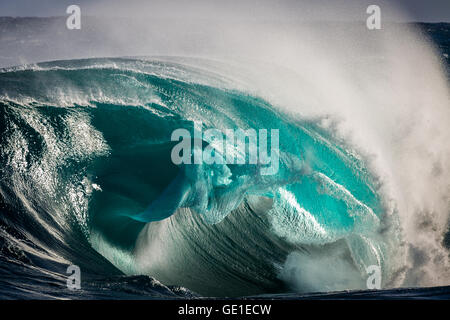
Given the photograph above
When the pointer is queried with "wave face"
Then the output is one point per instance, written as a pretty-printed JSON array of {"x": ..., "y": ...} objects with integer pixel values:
[
  {"x": 86, "y": 149},
  {"x": 86, "y": 168}
]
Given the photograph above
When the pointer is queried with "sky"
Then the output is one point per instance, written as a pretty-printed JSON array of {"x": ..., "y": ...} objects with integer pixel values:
[{"x": 336, "y": 10}]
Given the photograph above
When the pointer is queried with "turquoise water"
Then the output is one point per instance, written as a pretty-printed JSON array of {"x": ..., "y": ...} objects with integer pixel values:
[{"x": 93, "y": 140}]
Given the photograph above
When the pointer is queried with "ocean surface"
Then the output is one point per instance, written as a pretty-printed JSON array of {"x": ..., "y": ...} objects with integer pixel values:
[{"x": 86, "y": 179}]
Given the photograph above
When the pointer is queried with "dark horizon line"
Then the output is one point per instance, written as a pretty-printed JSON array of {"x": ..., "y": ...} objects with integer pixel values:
[{"x": 166, "y": 18}]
